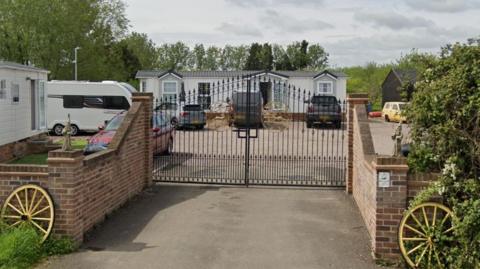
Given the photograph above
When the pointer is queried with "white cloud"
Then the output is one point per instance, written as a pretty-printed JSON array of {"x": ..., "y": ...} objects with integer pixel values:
[
  {"x": 273, "y": 3},
  {"x": 447, "y": 6},
  {"x": 392, "y": 20},
  {"x": 237, "y": 29},
  {"x": 287, "y": 24}
]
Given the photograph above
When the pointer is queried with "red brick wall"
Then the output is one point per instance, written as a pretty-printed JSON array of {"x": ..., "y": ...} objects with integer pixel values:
[{"x": 87, "y": 188}]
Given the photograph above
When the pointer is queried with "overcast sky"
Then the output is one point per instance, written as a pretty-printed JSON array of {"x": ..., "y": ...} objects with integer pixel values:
[{"x": 352, "y": 31}]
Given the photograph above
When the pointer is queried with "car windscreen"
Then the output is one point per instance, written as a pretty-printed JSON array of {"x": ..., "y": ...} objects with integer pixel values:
[
  {"x": 167, "y": 106},
  {"x": 324, "y": 100},
  {"x": 114, "y": 123},
  {"x": 402, "y": 106},
  {"x": 192, "y": 108}
]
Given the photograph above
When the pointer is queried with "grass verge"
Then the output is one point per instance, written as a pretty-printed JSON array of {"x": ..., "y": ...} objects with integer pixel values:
[
  {"x": 21, "y": 247},
  {"x": 41, "y": 158}
]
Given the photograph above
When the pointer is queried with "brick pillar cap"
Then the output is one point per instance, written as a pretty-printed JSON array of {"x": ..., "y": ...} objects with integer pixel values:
[{"x": 65, "y": 154}]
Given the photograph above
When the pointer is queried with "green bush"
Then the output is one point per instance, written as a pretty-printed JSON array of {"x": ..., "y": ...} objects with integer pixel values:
[
  {"x": 445, "y": 131},
  {"x": 21, "y": 247}
]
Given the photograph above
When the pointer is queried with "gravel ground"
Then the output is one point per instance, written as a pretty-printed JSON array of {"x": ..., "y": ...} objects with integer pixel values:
[{"x": 382, "y": 135}]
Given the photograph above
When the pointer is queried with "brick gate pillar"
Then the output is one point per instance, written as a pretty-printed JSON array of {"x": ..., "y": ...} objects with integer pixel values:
[
  {"x": 352, "y": 99},
  {"x": 146, "y": 98},
  {"x": 65, "y": 185}
]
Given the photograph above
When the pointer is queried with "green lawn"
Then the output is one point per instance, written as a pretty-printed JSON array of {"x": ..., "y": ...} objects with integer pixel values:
[{"x": 41, "y": 158}]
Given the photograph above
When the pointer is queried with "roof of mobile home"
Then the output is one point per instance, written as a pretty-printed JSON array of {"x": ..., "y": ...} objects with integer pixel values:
[
  {"x": 216, "y": 74},
  {"x": 17, "y": 66}
]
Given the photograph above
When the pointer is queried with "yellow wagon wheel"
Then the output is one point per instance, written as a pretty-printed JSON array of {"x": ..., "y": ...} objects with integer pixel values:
[
  {"x": 421, "y": 230},
  {"x": 29, "y": 204}
]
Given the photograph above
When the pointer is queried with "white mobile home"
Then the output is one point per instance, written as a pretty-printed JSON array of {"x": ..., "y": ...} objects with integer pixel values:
[
  {"x": 23, "y": 102},
  {"x": 276, "y": 86},
  {"x": 89, "y": 104}
]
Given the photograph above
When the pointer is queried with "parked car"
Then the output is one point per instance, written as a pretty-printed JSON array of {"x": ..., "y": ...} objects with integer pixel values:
[
  {"x": 324, "y": 109},
  {"x": 162, "y": 136},
  {"x": 192, "y": 116},
  {"x": 171, "y": 112},
  {"x": 243, "y": 105},
  {"x": 394, "y": 111}
]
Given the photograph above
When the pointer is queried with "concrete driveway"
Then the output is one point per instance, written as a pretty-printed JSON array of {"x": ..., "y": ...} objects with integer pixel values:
[{"x": 171, "y": 226}]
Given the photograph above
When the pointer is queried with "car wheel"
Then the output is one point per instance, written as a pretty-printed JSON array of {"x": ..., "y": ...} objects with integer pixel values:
[
  {"x": 338, "y": 124},
  {"x": 58, "y": 129},
  {"x": 74, "y": 130},
  {"x": 309, "y": 125},
  {"x": 387, "y": 119}
]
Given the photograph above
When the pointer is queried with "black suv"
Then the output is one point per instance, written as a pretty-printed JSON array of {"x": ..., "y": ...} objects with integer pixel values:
[{"x": 324, "y": 109}]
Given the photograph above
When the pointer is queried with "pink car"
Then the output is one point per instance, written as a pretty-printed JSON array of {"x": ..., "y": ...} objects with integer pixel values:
[{"x": 162, "y": 134}]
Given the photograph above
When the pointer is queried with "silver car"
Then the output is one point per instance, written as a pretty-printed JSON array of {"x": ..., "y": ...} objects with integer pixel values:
[{"x": 192, "y": 116}]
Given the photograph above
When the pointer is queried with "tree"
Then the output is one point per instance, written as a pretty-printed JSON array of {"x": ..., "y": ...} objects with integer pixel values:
[
  {"x": 45, "y": 33},
  {"x": 317, "y": 57},
  {"x": 266, "y": 57},
  {"x": 253, "y": 60},
  {"x": 212, "y": 58},
  {"x": 297, "y": 54},
  {"x": 173, "y": 56},
  {"x": 445, "y": 131},
  {"x": 198, "y": 58},
  {"x": 143, "y": 48},
  {"x": 280, "y": 58},
  {"x": 234, "y": 57}
]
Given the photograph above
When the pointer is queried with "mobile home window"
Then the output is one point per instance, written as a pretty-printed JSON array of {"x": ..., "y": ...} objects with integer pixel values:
[
  {"x": 3, "y": 89},
  {"x": 144, "y": 86},
  {"x": 15, "y": 93},
  {"x": 116, "y": 102},
  {"x": 325, "y": 88},
  {"x": 42, "y": 104},
  {"x": 169, "y": 91},
  {"x": 73, "y": 101},
  {"x": 204, "y": 98}
]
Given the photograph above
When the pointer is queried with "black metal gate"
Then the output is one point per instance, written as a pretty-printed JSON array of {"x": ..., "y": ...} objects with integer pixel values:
[{"x": 250, "y": 130}]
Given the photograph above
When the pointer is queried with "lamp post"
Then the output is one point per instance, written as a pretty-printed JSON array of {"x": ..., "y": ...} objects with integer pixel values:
[{"x": 75, "y": 61}]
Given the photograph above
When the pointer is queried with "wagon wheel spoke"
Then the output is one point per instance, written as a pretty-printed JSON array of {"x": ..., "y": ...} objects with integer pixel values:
[
  {"x": 425, "y": 217},
  {"x": 437, "y": 257},
  {"x": 11, "y": 217},
  {"x": 39, "y": 227},
  {"x": 418, "y": 223},
  {"x": 30, "y": 207},
  {"x": 416, "y": 248},
  {"x": 449, "y": 230},
  {"x": 44, "y": 219},
  {"x": 40, "y": 211},
  {"x": 419, "y": 259},
  {"x": 26, "y": 202},
  {"x": 16, "y": 223},
  {"x": 429, "y": 260},
  {"x": 20, "y": 202},
  {"x": 415, "y": 230},
  {"x": 38, "y": 203},
  {"x": 414, "y": 239},
  {"x": 434, "y": 216},
  {"x": 14, "y": 208}
]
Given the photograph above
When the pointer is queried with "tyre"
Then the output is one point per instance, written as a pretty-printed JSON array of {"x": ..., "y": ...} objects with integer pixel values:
[
  {"x": 58, "y": 129},
  {"x": 74, "y": 130},
  {"x": 309, "y": 125},
  {"x": 338, "y": 124},
  {"x": 387, "y": 119}
]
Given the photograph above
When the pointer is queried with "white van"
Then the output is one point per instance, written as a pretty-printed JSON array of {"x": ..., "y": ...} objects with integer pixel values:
[{"x": 89, "y": 104}]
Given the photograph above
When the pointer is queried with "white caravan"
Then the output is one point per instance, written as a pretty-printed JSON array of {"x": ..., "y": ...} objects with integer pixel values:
[{"x": 89, "y": 104}]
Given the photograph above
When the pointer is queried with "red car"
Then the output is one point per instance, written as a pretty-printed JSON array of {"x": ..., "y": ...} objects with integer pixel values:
[{"x": 162, "y": 134}]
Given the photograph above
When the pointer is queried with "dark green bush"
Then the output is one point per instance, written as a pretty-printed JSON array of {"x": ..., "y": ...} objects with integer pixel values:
[
  {"x": 445, "y": 121},
  {"x": 21, "y": 247}
]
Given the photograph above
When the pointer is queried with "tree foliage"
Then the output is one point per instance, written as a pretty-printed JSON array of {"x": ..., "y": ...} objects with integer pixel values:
[{"x": 445, "y": 129}]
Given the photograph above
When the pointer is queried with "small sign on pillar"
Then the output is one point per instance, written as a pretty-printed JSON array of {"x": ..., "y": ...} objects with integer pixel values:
[{"x": 384, "y": 179}]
